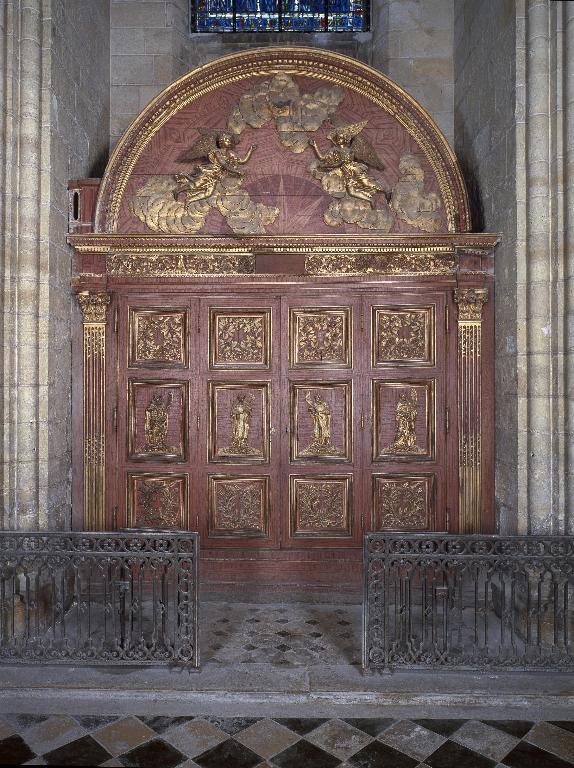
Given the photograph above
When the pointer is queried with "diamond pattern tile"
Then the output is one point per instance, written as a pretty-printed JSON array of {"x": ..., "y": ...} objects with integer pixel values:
[
  {"x": 230, "y": 754},
  {"x": 248, "y": 742},
  {"x": 339, "y": 738},
  {"x": 84, "y": 751},
  {"x": 153, "y": 754}
]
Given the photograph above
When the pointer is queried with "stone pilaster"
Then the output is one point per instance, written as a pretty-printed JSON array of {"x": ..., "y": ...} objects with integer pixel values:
[{"x": 544, "y": 262}]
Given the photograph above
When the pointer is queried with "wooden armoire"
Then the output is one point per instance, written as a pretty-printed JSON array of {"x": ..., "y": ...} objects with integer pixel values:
[{"x": 286, "y": 327}]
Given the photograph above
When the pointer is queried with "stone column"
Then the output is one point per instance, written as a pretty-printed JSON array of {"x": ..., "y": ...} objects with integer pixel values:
[
  {"x": 544, "y": 261},
  {"x": 23, "y": 230}
]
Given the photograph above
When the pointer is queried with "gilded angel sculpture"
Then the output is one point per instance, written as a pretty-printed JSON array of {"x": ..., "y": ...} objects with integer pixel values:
[
  {"x": 345, "y": 167},
  {"x": 180, "y": 204},
  {"x": 344, "y": 175},
  {"x": 216, "y": 146}
]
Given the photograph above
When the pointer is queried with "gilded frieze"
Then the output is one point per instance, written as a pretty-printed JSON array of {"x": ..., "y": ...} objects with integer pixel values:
[
  {"x": 320, "y": 505},
  {"x": 403, "y": 335},
  {"x": 157, "y": 501},
  {"x": 239, "y": 338},
  {"x": 238, "y": 506},
  {"x": 403, "y": 502},
  {"x": 320, "y": 337},
  {"x": 157, "y": 337},
  {"x": 403, "y": 263},
  {"x": 178, "y": 264}
]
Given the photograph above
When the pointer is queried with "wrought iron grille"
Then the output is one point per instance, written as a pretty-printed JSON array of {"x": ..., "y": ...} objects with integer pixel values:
[
  {"x": 99, "y": 598},
  {"x": 468, "y": 601}
]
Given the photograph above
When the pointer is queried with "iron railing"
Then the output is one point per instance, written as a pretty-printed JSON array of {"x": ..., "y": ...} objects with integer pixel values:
[
  {"x": 99, "y": 598},
  {"x": 473, "y": 601}
]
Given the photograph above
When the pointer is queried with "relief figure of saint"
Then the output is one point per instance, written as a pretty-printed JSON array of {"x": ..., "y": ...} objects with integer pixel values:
[
  {"x": 156, "y": 423},
  {"x": 406, "y": 412},
  {"x": 240, "y": 420}
]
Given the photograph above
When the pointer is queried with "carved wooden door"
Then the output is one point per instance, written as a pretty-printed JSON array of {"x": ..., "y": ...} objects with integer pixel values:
[
  {"x": 321, "y": 489},
  {"x": 155, "y": 392},
  {"x": 237, "y": 367},
  {"x": 405, "y": 447}
]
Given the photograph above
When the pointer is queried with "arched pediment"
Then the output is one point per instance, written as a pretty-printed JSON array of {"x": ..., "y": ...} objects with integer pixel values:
[{"x": 379, "y": 165}]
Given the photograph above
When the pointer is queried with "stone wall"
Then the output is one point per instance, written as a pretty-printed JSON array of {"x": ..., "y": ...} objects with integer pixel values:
[
  {"x": 54, "y": 94},
  {"x": 410, "y": 40}
]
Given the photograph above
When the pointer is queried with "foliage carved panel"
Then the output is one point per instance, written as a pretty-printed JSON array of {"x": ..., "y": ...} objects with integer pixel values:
[
  {"x": 403, "y": 335},
  {"x": 320, "y": 505},
  {"x": 238, "y": 506},
  {"x": 157, "y": 500},
  {"x": 157, "y": 338},
  {"x": 320, "y": 337},
  {"x": 239, "y": 338},
  {"x": 403, "y": 502}
]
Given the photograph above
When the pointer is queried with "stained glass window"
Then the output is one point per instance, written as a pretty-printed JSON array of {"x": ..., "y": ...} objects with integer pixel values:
[{"x": 279, "y": 15}]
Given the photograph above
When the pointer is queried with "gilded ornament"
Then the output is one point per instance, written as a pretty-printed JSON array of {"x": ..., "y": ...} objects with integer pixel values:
[
  {"x": 321, "y": 338},
  {"x": 402, "y": 504},
  {"x": 181, "y": 204},
  {"x": 158, "y": 504},
  {"x": 331, "y": 264},
  {"x": 406, "y": 413},
  {"x": 159, "y": 337},
  {"x": 156, "y": 424},
  {"x": 240, "y": 339},
  {"x": 344, "y": 174},
  {"x": 240, "y": 419},
  {"x": 238, "y": 506},
  {"x": 93, "y": 306},
  {"x": 321, "y": 505},
  {"x": 408, "y": 199},
  {"x": 320, "y": 413},
  {"x": 470, "y": 302},
  {"x": 179, "y": 265},
  {"x": 401, "y": 336}
]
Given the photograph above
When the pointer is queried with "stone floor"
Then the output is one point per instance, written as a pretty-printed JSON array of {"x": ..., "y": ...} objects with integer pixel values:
[
  {"x": 299, "y": 634},
  {"x": 292, "y": 672},
  {"x": 242, "y": 742}
]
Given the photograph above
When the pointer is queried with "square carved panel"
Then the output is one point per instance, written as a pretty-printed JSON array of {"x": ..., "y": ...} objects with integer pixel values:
[
  {"x": 157, "y": 420},
  {"x": 157, "y": 500},
  {"x": 320, "y": 505},
  {"x": 321, "y": 414},
  {"x": 157, "y": 338},
  {"x": 320, "y": 337},
  {"x": 403, "y": 335},
  {"x": 404, "y": 420},
  {"x": 238, "y": 506},
  {"x": 239, "y": 422},
  {"x": 239, "y": 338},
  {"x": 403, "y": 502}
]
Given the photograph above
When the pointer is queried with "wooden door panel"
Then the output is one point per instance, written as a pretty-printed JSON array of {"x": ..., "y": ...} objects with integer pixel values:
[
  {"x": 405, "y": 463},
  {"x": 155, "y": 398},
  {"x": 238, "y": 468},
  {"x": 321, "y": 506}
]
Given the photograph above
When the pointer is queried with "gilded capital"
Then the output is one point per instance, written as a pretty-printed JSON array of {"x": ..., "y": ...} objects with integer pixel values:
[
  {"x": 93, "y": 306},
  {"x": 470, "y": 301}
]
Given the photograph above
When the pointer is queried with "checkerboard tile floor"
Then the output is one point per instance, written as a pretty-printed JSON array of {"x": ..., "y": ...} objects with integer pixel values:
[{"x": 243, "y": 742}]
